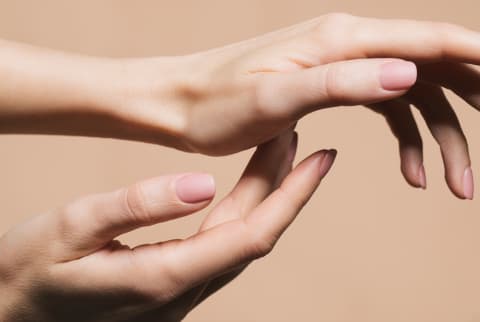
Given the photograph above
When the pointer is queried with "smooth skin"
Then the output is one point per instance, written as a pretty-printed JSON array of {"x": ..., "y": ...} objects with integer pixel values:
[
  {"x": 233, "y": 98},
  {"x": 67, "y": 266}
]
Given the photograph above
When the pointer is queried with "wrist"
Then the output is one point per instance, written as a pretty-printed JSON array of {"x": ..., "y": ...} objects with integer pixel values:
[
  {"x": 151, "y": 101},
  {"x": 45, "y": 91}
]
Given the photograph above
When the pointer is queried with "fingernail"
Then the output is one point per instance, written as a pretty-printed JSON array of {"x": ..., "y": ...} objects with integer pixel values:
[
  {"x": 194, "y": 188},
  {"x": 468, "y": 188},
  {"x": 327, "y": 161},
  {"x": 422, "y": 178},
  {"x": 398, "y": 75},
  {"x": 292, "y": 150}
]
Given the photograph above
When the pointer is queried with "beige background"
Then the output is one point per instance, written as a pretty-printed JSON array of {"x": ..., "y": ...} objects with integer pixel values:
[{"x": 367, "y": 248}]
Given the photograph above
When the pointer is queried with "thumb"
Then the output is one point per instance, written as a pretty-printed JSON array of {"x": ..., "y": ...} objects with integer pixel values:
[
  {"x": 91, "y": 222},
  {"x": 352, "y": 82}
]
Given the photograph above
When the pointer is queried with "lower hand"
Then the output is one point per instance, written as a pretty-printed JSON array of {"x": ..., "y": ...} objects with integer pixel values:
[{"x": 67, "y": 265}]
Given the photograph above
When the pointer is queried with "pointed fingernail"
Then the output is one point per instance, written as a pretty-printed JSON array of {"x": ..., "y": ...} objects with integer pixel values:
[
  {"x": 327, "y": 161},
  {"x": 194, "y": 188},
  {"x": 422, "y": 178},
  {"x": 398, "y": 75},
  {"x": 468, "y": 185}
]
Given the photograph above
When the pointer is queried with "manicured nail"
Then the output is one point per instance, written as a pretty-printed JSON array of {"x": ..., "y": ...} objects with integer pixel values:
[
  {"x": 292, "y": 149},
  {"x": 398, "y": 75},
  {"x": 327, "y": 161},
  {"x": 194, "y": 188},
  {"x": 422, "y": 178},
  {"x": 468, "y": 184}
]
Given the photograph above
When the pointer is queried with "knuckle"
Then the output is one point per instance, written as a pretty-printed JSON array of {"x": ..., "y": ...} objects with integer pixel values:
[
  {"x": 173, "y": 284},
  {"x": 67, "y": 221},
  {"x": 332, "y": 30},
  {"x": 332, "y": 22},
  {"x": 68, "y": 217},
  {"x": 134, "y": 203},
  {"x": 447, "y": 32},
  {"x": 441, "y": 35},
  {"x": 260, "y": 243},
  {"x": 172, "y": 281},
  {"x": 447, "y": 28},
  {"x": 333, "y": 88},
  {"x": 336, "y": 19}
]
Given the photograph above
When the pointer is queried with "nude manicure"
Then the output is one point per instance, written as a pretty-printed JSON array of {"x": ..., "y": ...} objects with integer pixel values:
[
  {"x": 194, "y": 188},
  {"x": 327, "y": 161},
  {"x": 398, "y": 75},
  {"x": 422, "y": 177},
  {"x": 468, "y": 185}
]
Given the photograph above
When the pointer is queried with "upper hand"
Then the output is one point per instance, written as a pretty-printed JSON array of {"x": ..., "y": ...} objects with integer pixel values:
[{"x": 232, "y": 98}]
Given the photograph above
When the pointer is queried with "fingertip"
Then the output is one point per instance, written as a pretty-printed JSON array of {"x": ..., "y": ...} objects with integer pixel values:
[
  {"x": 422, "y": 178},
  {"x": 398, "y": 75},
  {"x": 195, "y": 188},
  {"x": 334, "y": 153},
  {"x": 413, "y": 170},
  {"x": 416, "y": 179},
  {"x": 326, "y": 158},
  {"x": 468, "y": 184},
  {"x": 457, "y": 187},
  {"x": 460, "y": 182}
]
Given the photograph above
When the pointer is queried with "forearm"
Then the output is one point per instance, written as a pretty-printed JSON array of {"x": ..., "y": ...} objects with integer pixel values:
[
  {"x": 40, "y": 85},
  {"x": 50, "y": 92}
]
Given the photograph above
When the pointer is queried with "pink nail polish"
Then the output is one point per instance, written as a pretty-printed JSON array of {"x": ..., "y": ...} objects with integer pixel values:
[
  {"x": 468, "y": 185},
  {"x": 398, "y": 75},
  {"x": 194, "y": 188},
  {"x": 327, "y": 162},
  {"x": 422, "y": 178}
]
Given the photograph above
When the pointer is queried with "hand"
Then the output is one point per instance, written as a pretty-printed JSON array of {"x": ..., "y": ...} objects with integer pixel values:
[
  {"x": 233, "y": 98},
  {"x": 236, "y": 97},
  {"x": 66, "y": 265}
]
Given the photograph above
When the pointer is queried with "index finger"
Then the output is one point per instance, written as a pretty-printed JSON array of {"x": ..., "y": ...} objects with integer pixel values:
[{"x": 182, "y": 264}]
